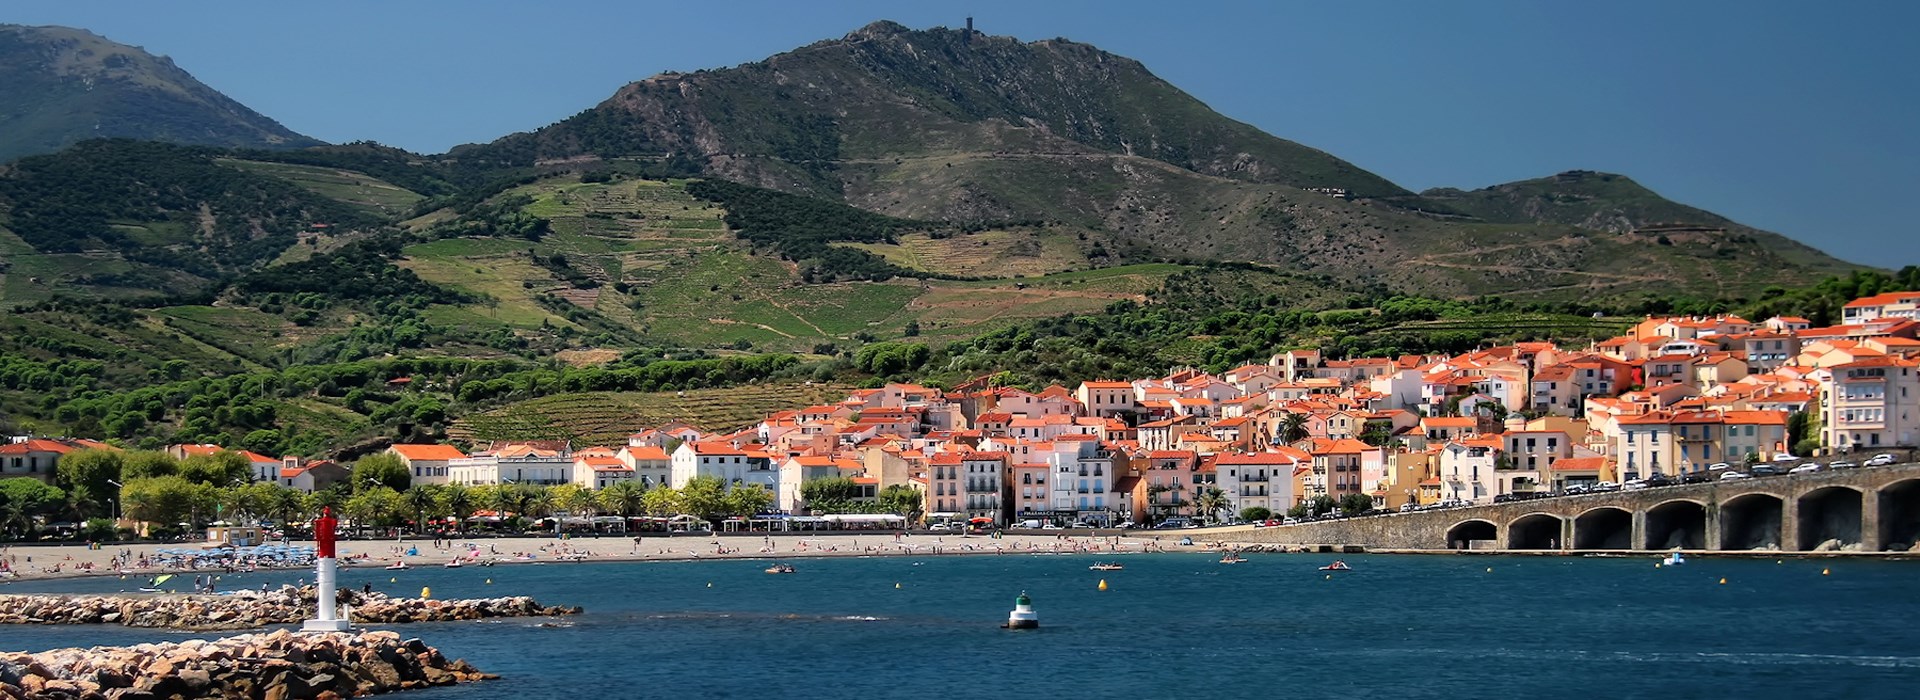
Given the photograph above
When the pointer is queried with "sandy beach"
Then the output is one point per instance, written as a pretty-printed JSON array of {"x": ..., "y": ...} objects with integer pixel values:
[{"x": 42, "y": 562}]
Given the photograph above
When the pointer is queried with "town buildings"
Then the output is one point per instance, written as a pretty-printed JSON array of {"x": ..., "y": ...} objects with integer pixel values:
[{"x": 1672, "y": 396}]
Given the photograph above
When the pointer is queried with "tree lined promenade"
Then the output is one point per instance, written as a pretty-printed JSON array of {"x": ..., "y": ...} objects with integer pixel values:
[{"x": 160, "y": 497}]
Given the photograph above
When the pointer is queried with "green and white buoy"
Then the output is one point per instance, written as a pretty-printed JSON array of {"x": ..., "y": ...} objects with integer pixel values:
[{"x": 1022, "y": 617}]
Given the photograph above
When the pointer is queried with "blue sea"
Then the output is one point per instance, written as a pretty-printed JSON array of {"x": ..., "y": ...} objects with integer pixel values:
[{"x": 1176, "y": 625}]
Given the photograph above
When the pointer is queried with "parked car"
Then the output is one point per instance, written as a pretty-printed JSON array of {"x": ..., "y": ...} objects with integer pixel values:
[
  {"x": 945, "y": 527},
  {"x": 1606, "y": 486},
  {"x": 1408, "y": 508},
  {"x": 1842, "y": 465},
  {"x": 1717, "y": 466},
  {"x": 1807, "y": 468},
  {"x": 1733, "y": 475},
  {"x": 1659, "y": 480},
  {"x": 1695, "y": 478},
  {"x": 1880, "y": 460},
  {"x": 1049, "y": 526},
  {"x": 1763, "y": 470},
  {"x": 1634, "y": 484}
]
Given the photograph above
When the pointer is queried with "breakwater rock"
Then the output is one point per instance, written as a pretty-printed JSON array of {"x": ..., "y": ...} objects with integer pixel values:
[
  {"x": 275, "y": 666},
  {"x": 250, "y": 609}
]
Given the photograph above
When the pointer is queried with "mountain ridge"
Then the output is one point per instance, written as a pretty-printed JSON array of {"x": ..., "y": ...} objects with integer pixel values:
[
  {"x": 62, "y": 85},
  {"x": 942, "y": 124},
  {"x": 1091, "y": 158}
]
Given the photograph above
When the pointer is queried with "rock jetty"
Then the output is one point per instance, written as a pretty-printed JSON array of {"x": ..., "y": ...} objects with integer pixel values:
[
  {"x": 275, "y": 666},
  {"x": 251, "y": 609}
]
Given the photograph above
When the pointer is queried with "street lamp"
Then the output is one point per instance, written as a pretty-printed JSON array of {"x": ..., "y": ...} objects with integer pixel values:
[{"x": 114, "y": 502}]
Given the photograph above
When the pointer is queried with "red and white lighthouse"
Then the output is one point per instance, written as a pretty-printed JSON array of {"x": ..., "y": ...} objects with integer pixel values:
[{"x": 325, "y": 619}]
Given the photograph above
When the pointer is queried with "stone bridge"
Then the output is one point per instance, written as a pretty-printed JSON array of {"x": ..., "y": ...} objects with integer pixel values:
[{"x": 1867, "y": 509}]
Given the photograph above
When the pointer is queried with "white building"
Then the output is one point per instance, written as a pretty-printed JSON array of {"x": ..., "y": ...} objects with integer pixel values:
[
  {"x": 513, "y": 464},
  {"x": 1467, "y": 469},
  {"x": 429, "y": 464},
  {"x": 733, "y": 466},
  {"x": 1260, "y": 480}
]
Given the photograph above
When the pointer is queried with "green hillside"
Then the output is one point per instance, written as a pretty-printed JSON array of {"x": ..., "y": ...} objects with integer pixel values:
[
  {"x": 118, "y": 218},
  {"x": 607, "y": 418},
  {"x": 647, "y": 256},
  {"x": 1616, "y": 204}
]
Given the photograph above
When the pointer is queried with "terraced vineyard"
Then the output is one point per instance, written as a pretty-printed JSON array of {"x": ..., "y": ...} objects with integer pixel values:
[
  {"x": 607, "y": 418},
  {"x": 242, "y": 331},
  {"x": 357, "y": 189},
  {"x": 1496, "y": 325},
  {"x": 984, "y": 254},
  {"x": 647, "y": 255}
]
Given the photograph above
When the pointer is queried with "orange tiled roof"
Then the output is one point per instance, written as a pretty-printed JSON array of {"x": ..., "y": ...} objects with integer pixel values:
[{"x": 428, "y": 452}]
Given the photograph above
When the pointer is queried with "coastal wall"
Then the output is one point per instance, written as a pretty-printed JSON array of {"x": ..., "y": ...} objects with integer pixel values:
[
  {"x": 277, "y": 666},
  {"x": 1847, "y": 510},
  {"x": 251, "y": 609}
]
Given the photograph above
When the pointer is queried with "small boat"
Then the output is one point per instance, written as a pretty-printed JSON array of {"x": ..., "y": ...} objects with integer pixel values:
[
  {"x": 454, "y": 564},
  {"x": 1674, "y": 559},
  {"x": 153, "y": 586},
  {"x": 780, "y": 569},
  {"x": 1232, "y": 558},
  {"x": 1106, "y": 566},
  {"x": 397, "y": 566},
  {"x": 1337, "y": 566}
]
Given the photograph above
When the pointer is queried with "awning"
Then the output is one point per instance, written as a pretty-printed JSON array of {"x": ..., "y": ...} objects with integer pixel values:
[{"x": 864, "y": 518}]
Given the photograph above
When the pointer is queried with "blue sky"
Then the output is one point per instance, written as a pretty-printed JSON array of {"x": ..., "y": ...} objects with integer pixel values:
[{"x": 1793, "y": 117}]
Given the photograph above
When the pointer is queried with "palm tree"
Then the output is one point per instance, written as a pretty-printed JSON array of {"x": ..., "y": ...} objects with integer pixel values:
[
  {"x": 458, "y": 502},
  {"x": 79, "y": 506},
  {"x": 1208, "y": 503},
  {"x": 15, "y": 519},
  {"x": 520, "y": 499},
  {"x": 505, "y": 499},
  {"x": 288, "y": 504},
  {"x": 421, "y": 499},
  {"x": 623, "y": 498},
  {"x": 1293, "y": 428},
  {"x": 542, "y": 503}
]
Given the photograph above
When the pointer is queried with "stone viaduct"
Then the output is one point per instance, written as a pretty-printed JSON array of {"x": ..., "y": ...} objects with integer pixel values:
[{"x": 1866, "y": 509}]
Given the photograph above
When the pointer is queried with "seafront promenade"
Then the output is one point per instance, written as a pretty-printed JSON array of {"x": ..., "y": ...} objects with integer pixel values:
[{"x": 34, "y": 562}]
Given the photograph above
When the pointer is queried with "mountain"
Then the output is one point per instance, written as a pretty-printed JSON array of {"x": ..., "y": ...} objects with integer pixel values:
[
  {"x": 1616, "y": 204},
  {"x": 60, "y": 86},
  {"x": 958, "y": 126},
  {"x": 886, "y": 92}
]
